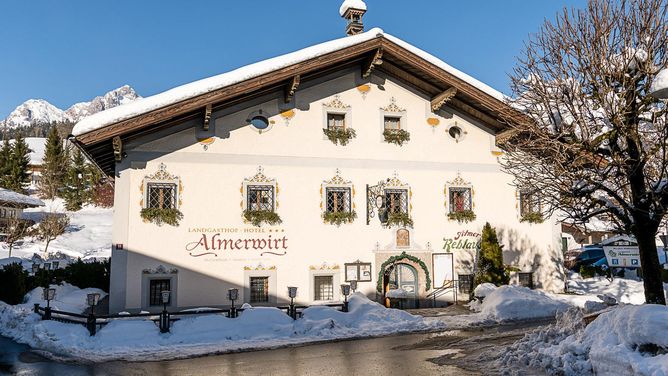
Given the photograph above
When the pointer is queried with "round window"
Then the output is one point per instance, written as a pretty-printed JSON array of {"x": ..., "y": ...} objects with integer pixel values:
[
  {"x": 259, "y": 122},
  {"x": 455, "y": 132}
]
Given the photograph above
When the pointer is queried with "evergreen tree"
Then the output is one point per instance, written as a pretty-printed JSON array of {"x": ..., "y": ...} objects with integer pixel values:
[
  {"x": 17, "y": 177},
  {"x": 55, "y": 165},
  {"x": 490, "y": 266},
  {"x": 79, "y": 182},
  {"x": 5, "y": 162}
]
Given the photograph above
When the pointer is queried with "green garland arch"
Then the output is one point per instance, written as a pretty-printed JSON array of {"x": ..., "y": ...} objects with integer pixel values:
[{"x": 402, "y": 256}]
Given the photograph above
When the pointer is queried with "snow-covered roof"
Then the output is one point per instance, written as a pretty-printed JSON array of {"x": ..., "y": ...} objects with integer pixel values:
[
  {"x": 196, "y": 88},
  {"x": 355, "y": 4},
  {"x": 17, "y": 198},
  {"x": 37, "y": 146},
  {"x": 617, "y": 238}
]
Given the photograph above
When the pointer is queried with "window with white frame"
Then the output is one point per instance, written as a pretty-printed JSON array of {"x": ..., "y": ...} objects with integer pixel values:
[
  {"x": 259, "y": 289},
  {"x": 396, "y": 201},
  {"x": 460, "y": 199},
  {"x": 259, "y": 192},
  {"x": 161, "y": 190},
  {"x": 338, "y": 199},
  {"x": 336, "y": 120},
  {"x": 260, "y": 197},
  {"x": 323, "y": 287},
  {"x": 161, "y": 195},
  {"x": 392, "y": 123},
  {"x": 529, "y": 203}
]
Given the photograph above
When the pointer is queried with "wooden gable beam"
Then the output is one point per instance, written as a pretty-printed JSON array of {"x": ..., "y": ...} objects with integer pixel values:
[
  {"x": 443, "y": 98},
  {"x": 117, "y": 144},
  {"x": 207, "y": 117},
  {"x": 368, "y": 67},
  {"x": 291, "y": 88}
]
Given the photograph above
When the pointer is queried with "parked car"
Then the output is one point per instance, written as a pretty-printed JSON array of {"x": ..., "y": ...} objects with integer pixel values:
[{"x": 591, "y": 255}]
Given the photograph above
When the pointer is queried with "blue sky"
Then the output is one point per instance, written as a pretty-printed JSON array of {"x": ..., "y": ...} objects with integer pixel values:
[{"x": 71, "y": 51}]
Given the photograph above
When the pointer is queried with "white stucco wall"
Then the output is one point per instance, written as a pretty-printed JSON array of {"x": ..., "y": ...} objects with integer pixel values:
[{"x": 296, "y": 153}]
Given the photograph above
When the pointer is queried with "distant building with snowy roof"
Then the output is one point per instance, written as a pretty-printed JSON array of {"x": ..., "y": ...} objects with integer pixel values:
[
  {"x": 12, "y": 205},
  {"x": 362, "y": 159}
]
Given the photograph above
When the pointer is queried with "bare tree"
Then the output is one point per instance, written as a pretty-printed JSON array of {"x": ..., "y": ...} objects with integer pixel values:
[
  {"x": 594, "y": 143},
  {"x": 15, "y": 229},
  {"x": 52, "y": 225}
]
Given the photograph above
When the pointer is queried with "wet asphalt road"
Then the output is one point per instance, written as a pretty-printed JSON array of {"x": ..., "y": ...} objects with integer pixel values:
[{"x": 467, "y": 352}]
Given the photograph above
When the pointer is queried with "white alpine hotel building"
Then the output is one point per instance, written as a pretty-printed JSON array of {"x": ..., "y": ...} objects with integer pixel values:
[{"x": 204, "y": 173}]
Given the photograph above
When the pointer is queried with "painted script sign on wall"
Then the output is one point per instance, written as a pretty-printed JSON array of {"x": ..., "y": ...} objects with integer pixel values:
[
  {"x": 216, "y": 241},
  {"x": 463, "y": 240}
]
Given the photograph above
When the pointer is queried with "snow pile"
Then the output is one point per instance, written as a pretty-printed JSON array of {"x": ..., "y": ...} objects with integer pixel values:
[
  {"x": 355, "y": 4},
  {"x": 483, "y": 290},
  {"x": 550, "y": 349},
  {"x": 624, "y": 290},
  {"x": 68, "y": 298},
  {"x": 255, "y": 328},
  {"x": 511, "y": 303},
  {"x": 629, "y": 340}
]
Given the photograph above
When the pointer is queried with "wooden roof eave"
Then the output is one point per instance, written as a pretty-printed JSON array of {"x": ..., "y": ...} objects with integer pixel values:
[{"x": 220, "y": 95}]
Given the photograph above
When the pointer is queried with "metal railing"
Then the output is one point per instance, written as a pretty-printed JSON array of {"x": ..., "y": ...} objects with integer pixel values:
[{"x": 162, "y": 319}]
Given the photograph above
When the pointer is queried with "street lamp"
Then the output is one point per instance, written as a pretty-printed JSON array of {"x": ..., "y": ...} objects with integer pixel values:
[
  {"x": 35, "y": 268},
  {"x": 233, "y": 294},
  {"x": 48, "y": 294},
  {"x": 92, "y": 299},
  {"x": 345, "y": 290},
  {"x": 164, "y": 316},
  {"x": 353, "y": 285},
  {"x": 292, "y": 293}
]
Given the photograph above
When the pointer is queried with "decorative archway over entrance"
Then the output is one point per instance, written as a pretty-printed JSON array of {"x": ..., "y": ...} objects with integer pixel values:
[{"x": 387, "y": 272}]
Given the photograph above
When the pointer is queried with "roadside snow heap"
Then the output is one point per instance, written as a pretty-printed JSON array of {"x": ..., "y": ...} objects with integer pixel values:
[
  {"x": 260, "y": 327},
  {"x": 628, "y": 340},
  {"x": 508, "y": 303}
]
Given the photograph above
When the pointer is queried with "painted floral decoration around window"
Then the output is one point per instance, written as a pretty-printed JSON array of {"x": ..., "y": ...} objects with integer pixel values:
[
  {"x": 530, "y": 207},
  {"x": 161, "y": 198},
  {"x": 259, "y": 203},
  {"x": 394, "y": 124},
  {"x": 396, "y": 203},
  {"x": 459, "y": 200},
  {"x": 337, "y": 126},
  {"x": 337, "y": 200}
]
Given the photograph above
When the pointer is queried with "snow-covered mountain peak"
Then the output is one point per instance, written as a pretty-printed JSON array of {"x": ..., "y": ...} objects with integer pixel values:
[{"x": 34, "y": 111}]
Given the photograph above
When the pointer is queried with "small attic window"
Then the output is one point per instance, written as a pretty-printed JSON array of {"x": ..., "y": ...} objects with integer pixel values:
[{"x": 259, "y": 122}]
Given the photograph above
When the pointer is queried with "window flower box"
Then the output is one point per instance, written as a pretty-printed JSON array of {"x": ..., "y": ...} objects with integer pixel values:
[
  {"x": 399, "y": 219},
  {"x": 159, "y": 216},
  {"x": 396, "y": 136},
  {"x": 532, "y": 217},
  {"x": 340, "y": 217},
  {"x": 339, "y": 135},
  {"x": 258, "y": 217},
  {"x": 462, "y": 216}
]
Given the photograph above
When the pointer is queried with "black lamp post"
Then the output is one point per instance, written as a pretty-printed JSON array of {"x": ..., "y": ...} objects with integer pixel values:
[
  {"x": 345, "y": 290},
  {"x": 92, "y": 299},
  {"x": 164, "y": 315},
  {"x": 292, "y": 293},
  {"x": 232, "y": 295},
  {"x": 48, "y": 294}
]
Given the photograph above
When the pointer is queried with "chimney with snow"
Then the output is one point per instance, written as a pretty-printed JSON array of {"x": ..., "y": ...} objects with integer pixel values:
[{"x": 352, "y": 11}]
